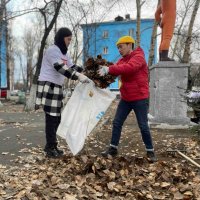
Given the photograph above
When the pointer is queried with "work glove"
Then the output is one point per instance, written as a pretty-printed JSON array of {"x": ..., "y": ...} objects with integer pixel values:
[
  {"x": 82, "y": 78},
  {"x": 103, "y": 70},
  {"x": 77, "y": 68}
]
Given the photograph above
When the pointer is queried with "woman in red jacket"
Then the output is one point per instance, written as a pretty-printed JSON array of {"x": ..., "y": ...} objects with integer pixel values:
[{"x": 132, "y": 69}]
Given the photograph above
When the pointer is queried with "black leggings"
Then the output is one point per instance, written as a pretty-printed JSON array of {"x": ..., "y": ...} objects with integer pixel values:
[{"x": 51, "y": 126}]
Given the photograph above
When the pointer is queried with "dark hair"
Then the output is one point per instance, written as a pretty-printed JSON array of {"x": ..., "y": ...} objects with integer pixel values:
[
  {"x": 59, "y": 39},
  {"x": 132, "y": 45}
]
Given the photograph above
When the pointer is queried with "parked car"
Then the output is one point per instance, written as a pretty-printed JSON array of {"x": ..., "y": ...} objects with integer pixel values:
[
  {"x": 14, "y": 93},
  {"x": 3, "y": 93}
]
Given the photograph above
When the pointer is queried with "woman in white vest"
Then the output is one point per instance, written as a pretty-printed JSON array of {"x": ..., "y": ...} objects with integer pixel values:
[{"x": 56, "y": 65}]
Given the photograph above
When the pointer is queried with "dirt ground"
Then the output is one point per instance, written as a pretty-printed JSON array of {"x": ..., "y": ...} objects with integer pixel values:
[
  {"x": 130, "y": 176},
  {"x": 130, "y": 142}
]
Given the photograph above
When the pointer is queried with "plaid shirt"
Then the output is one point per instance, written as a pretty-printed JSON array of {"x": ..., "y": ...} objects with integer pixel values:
[{"x": 50, "y": 96}]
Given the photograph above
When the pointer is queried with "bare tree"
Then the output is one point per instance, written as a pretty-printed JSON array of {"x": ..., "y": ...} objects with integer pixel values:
[
  {"x": 5, "y": 20},
  {"x": 19, "y": 55},
  {"x": 3, "y": 9},
  {"x": 86, "y": 13},
  {"x": 186, "y": 54},
  {"x": 74, "y": 21},
  {"x": 10, "y": 59},
  {"x": 153, "y": 43},
  {"x": 139, "y": 4},
  {"x": 182, "y": 15},
  {"x": 30, "y": 42},
  {"x": 20, "y": 12}
]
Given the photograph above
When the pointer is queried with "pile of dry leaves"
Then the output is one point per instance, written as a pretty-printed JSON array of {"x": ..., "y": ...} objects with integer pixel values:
[
  {"x": 92, "y": 66},
  {"x": 94, "y": 178},
  {"x": 88, "y": 176}
]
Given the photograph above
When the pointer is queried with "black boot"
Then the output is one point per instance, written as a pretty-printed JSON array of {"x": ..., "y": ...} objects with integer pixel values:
[
  {"x": 151, "y": 156},
  {"x": 111, "y": 151},
  {"x": 51, "y": 126},
  {"x": 164, "y": 56},
  {"x": 60, "y": 152},
  {"x": 52, "y": 153}
]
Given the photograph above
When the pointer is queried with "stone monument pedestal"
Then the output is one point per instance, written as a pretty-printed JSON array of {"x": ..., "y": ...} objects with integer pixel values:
[{"x": 168, "y": 83}]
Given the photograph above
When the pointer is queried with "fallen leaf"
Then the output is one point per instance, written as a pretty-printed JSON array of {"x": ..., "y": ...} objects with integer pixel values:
[
  {"x": 5, "y": 153},
  {"x": 178, "y": 195}
]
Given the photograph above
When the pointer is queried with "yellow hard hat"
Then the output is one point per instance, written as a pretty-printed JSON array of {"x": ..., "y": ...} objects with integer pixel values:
[{"x": 125, "y": 39}]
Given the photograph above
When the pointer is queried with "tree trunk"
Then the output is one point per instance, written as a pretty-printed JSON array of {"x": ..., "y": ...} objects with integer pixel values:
[
  {"x": 30, "y": 103},
  {"x": 180, "y": 29},
  {"x": 153, "y": 42},
  {"x": 138, "y": 22},
  {"x": 139, "y": 6},
  {"x": 186, "y": 54},
  {"x": 2, "y": 9}
]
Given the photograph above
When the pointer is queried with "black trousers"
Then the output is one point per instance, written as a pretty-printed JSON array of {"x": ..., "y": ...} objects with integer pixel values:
[{"x": 51, "y": 126}]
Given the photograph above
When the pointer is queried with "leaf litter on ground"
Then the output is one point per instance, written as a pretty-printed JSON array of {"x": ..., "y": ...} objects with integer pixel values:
[{"x": 129, "y": 176}]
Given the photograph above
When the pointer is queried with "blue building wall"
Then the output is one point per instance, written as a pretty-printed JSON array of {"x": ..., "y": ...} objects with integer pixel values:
[
  {"x": 94, "y": 41},
  {"x": 3, "y": 60}
]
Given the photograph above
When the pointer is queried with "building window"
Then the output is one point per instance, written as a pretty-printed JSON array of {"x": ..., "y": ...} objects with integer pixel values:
[
  {"x": 119, "y": 33},
  {"x": 105, "y": 34},
  {"x": 131, "y": 32},
  {"x": 105, "y": 50}
]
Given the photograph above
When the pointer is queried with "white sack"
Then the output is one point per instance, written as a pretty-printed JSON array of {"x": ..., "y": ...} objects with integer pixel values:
[{"x": 81, "y": 114}]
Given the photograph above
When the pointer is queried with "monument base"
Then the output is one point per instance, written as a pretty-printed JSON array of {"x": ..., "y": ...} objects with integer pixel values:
[
  {"x": 171, "y": 121},
  {"x": 168, "y": 84}
]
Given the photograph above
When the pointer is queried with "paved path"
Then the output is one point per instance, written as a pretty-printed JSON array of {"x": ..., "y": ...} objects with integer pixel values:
[
  {"x": 21, "y": 131},
  {"x": 17, "y": 132}
]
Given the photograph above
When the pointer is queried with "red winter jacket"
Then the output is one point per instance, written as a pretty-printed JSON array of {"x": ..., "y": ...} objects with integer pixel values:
[{"x": 134, "y": 76}]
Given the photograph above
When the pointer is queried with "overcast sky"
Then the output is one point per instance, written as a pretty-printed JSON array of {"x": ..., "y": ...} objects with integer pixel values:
[{"x": 122, "y": 7}]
